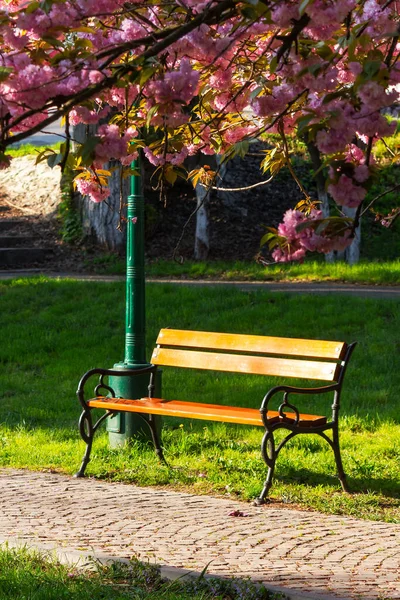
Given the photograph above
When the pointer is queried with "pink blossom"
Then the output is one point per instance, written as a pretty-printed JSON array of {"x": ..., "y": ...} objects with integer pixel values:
[
  {"x": 283, "y": 14},
  {"x": 174, "y": 158},
  {"x": 112, "y": 145},
  {"x": 222, "y": 79},
  {"x": 274, "y": 103},
  {"x": 29, "y": 122},
  {"x": 354, "y": 154},
  {"x": 81, "y": 114},
  {"x": 372, "y": 124},
  {"x": 289, "y": 253},
  {"x": 235, "y": 134},
  {"x": 327, "y": 17},
  {"x": 333, "y": 140},
  {"x": 92, "y": 188},
  {"x": 299, "y": 240},
  {"x": 377, "y": 18},
  {"x": 291, "y": 220},
  {"x": 95, "y": 76},
  {"x": 346, "y": 193},
  {"x": 361, "y": 173},
  {"x": 175, "y": 86},
  {"x": 118, "y": 96},
  {"x": 375, "y": 96},
  {"x": 15, "y": 38},
  {"x": 237, "y": 513},
  {"x": 230, "y": 102}
]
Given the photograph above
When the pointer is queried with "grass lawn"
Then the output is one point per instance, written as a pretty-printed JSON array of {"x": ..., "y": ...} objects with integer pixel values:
[
  {"x": 53, "y": 331},
  {"x": 32, "y": 575},
  {"x": 30, "y": 149},
  {"x": 371, "y": 273}
]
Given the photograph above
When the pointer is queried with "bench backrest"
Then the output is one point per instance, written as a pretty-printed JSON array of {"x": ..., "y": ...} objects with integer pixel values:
[{"x": 253, "y": 354}]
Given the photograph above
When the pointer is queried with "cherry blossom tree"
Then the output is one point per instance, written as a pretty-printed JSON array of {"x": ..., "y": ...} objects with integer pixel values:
[{"x": 178, "y": 77}]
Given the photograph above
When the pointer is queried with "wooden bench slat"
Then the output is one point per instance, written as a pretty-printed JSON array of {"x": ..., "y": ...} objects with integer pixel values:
[
  {"x": 194, "y": 410},
  {"x": 259, "y": 365},
  {"x": 252, "y": 343}
]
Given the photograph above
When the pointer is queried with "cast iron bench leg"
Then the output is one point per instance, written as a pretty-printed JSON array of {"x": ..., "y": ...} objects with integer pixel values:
[
  {"x": 156, "y": 439},
  {"x": 338, "y": 459},
  {"x": 269, "y": 455},
  {"x": 87, "y": 432}
]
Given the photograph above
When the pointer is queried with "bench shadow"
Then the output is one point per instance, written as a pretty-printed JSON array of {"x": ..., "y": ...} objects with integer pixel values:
[{"x": 357, "y": 485}]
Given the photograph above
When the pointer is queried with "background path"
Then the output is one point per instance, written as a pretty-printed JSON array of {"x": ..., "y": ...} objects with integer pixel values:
[
  {"x": 299, "y": 552},
  {"x": 366, "y": 291}
]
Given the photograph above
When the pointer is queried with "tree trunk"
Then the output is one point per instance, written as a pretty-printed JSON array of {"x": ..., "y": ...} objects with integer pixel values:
[
  {"x": 321, "y": 187},
  {"x": 202, "y": 237},
  {"x": 101, "y": 221},
  {"x": 352, "y": 253},
  {"x": 202, "y": 233}
]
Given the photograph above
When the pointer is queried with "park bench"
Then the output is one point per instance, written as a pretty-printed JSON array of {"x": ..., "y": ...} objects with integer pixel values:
[{"x": 314, "y": 360}]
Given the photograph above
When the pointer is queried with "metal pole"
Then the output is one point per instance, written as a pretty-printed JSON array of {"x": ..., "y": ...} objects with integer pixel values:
[{"x": 125, "y": 426}]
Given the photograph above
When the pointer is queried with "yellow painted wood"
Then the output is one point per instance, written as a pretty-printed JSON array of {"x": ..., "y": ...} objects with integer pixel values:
[
  {"x": 252, "y": 343},
  {"x": 234, "y": 363},
  {"x": 194, "y": 410}
]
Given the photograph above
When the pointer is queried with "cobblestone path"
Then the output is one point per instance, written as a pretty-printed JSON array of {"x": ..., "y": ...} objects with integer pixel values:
[{"x": 296, "y": 551}]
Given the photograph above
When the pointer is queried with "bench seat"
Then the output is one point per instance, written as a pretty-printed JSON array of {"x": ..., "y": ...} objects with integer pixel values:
[{"x": 196, "y": 410}]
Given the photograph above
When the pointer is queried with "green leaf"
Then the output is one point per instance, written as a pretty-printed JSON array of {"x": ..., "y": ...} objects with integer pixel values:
[
  {"x": 256, "y": 92},
  {"x": 321, "y": 226},
  {"x": 86, "y": 151},
  {"x": 304, "y": 225},
  {"x": 54, "y": 160},
  {"x": 5, "y": 72},
  {"x": 303, "y": 6},
  {"x": 324, "y": 51},
  {"x": 170, "y": 175},
  {"x": 303, "y": 122},
  {"x": 46, "y": 5},
  {"x": 273, "y": 64},
  {"x": 249, "y": 13},
  {"x": 333, "y": 96},
  {"x": 32, "y": 6},
  {"x": 371, "y": 68},
  {"x": 145, "y": 74},
  {"x": 151, "y": 113},
  {"x": 44, "y": 155}
]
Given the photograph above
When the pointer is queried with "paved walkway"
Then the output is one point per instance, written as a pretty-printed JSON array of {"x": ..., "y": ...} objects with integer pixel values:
[{"x": 305, "y": 554}]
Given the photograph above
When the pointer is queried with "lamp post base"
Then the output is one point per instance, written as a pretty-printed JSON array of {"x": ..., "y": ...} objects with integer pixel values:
[{"x": 123, "y": 427}]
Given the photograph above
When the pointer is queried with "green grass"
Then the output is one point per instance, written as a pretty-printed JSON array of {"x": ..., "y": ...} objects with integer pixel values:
[
  {"x": 373, "y": 273},
  {"x": 28, "y": 574},
  {"x": 30, "y": 149},
  {"x": 55, "y": 330}
]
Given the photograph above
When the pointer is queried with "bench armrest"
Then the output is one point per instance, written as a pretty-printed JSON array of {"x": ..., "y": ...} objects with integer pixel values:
[
  {"x": 286, "y": 390},
  {"x": 105, "y": 373}
]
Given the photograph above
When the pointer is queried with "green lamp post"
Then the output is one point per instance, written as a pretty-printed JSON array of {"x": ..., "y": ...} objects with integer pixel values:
[{"x": 124, "y": 426}]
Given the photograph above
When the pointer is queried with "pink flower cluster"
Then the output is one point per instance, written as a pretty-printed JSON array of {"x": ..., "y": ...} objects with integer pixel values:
[
  {"x": 347, "y": 176},
  {"x": 92, "y": 188},
  {"x": 82, "y": 114},
  {"x": 296, "y": 238},
  {"x": 178, "y": 86},
  {"x": 346, "y": 192},
  {"x": 172, "y": 158},
  {"x": 113, "y": 146}
]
